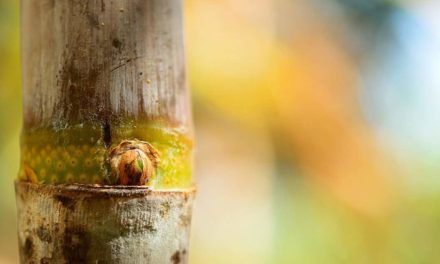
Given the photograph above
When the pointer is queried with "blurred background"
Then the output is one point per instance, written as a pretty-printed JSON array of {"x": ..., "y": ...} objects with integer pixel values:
[{"x": 318, "y": 130}]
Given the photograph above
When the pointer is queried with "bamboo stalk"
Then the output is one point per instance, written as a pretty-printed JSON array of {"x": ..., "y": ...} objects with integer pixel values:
[
  {"x": 86, "y": 224},
  {"x": 105, "y": 104}
]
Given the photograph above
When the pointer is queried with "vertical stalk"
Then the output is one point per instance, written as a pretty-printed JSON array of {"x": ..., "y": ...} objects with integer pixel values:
[{"x": 105, "y": 105}]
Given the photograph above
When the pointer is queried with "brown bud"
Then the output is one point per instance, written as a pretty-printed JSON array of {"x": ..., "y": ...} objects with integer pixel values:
[{"x": 133, "y": 162}]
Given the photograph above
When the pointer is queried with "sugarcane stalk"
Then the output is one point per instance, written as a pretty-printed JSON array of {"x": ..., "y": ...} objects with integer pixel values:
[{"x": 106, "y": 144}]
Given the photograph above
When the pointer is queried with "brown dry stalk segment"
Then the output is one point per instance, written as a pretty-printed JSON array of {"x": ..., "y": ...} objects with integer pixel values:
[
  {"x": 77, "y": 71},
  {"x": 84, "y": 224}
]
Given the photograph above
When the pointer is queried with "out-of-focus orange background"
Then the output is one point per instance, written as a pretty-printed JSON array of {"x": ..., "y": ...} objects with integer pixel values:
[{"x": 318, "y": 130}]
